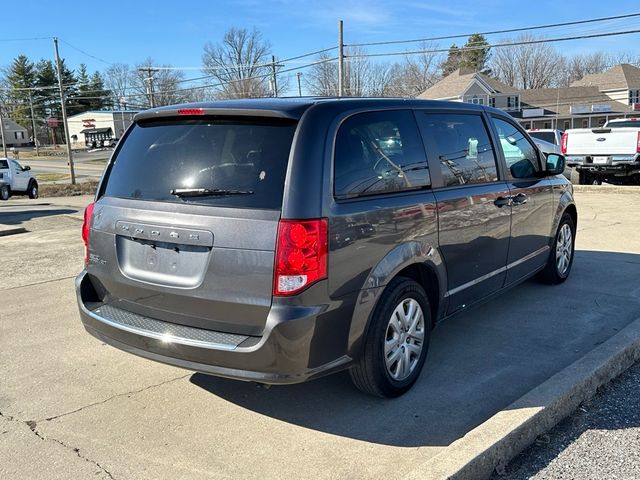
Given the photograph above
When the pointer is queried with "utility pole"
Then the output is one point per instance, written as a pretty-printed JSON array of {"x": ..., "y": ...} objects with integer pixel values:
[
  {"x": 4, "y": 141},
  {"x": 64, "y": 113},
  {"x": 274, "y": 77},
  {"x": 149, "y": 81},
  {"x": 299, "y": 74},
  {"x": 33, "y": 125},
  {"x": 340, "y": 59}
]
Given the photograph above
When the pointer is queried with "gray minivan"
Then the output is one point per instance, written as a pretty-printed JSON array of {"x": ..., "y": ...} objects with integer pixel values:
[{"x": 279, "y": 240}]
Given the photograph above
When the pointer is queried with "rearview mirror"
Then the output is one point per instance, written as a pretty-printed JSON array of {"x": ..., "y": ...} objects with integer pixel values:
[
  {"x": 555, "y": 164},
  {"x": 26, "y": 168}
]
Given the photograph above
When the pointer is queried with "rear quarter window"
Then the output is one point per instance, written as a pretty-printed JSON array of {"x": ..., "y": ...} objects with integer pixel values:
[
  {"x": 379, "y": 152},
  {"x": 249, "y": 155}
]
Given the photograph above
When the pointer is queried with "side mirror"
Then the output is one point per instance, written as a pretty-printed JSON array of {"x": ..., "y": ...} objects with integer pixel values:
[
  {"x": 555, "y": 164},
  {"x": 26, "y": 168}
]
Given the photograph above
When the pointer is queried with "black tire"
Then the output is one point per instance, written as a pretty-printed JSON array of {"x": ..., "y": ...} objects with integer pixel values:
[
  {"x": 33, "y": 190},
  {"x": 594, "y": 180},
  {"x": 551, "y": 273},
  {"x": 371, "y": 374},
  {"x": 5, "y": 192}
]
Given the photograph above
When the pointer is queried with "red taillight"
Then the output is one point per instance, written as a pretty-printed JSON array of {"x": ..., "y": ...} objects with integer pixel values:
[
  {"x": 301, "y": 255},
  {"x": 638, "y": 144},
  {"x": 86, "y": 228},
  {"x": 563, "y": 142},
  {"x": 191, "y": 111}
]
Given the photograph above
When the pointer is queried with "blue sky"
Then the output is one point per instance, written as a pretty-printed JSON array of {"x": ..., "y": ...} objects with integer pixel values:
[{"x": 175, "y": 32}]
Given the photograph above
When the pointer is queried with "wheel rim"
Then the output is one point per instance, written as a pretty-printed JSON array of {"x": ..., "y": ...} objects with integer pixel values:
[
  {"x": 34, "y": 191},
  {"x": 564, "y": 247},
  {"x": 404, "y": 339}
]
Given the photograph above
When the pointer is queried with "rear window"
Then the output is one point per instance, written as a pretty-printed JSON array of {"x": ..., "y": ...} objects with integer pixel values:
[
  {"x": 248, "y": 156},
  {"x": 628, "y": 123},
  {"x": 546, "y": 136}
]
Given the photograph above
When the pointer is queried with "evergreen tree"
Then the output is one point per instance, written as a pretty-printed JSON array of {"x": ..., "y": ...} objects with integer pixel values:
[
  {"x": 98, "y": 91},
  {"x": 475, "y": 54},
  {"x": 20, "y": 77},
  {"x": 452, "y": 63}
]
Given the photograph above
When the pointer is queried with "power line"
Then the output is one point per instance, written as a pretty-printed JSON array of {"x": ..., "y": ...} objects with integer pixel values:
[
  {"x": 494, "y": 32},
  {"x": 496, "y": 45},
  {"x": 24, "y": 39},
  {"x": 85, "y": 53}
]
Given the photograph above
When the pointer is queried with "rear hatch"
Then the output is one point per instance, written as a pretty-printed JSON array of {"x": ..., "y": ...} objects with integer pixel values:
[
  {"x": 185, "y": 224},
  {"x": 602, "y": 141}
]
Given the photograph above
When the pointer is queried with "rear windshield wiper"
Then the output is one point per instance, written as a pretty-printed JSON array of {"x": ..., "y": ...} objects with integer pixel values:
[{"x": 205, "y": 192}]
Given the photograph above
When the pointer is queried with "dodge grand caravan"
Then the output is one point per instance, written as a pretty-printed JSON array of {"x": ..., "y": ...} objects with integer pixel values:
[{"x": 279, "y": 240}]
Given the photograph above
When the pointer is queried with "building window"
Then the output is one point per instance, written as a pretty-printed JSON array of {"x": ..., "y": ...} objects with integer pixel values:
[
  {"x": 567, "y": 124},
  {"x": 477, "y": 100},
  {"x": 513, "y": 103},
  {"x": 634, "y": 96},
  {"x": 492, "y": 102},
  {"x": 18, "y": 135},
  {"x": 547, "y": 125},
  {"x": 585, "y": 123},
  {"x": 601, "y": 122}
]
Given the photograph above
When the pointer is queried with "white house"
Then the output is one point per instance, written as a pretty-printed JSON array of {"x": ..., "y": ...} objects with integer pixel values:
[{"x": 97, "y": 125}]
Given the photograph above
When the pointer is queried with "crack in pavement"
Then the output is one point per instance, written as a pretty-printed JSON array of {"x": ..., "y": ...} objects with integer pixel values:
[
  {"x": 101, "y": 402},
  {"x": 33, "y": 427},
  {"x": 32, "y": 424}
]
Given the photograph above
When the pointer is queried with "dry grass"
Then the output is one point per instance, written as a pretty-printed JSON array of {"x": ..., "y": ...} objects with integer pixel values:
[{"x": 68, "y": 190}]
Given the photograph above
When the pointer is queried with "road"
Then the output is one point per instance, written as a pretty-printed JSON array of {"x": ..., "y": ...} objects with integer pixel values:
[
  {"x": 72, "y": 407},
  {"x": 88, "y": 165}
]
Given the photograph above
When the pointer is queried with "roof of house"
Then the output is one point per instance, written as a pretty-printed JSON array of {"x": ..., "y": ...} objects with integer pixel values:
[
  {"x": 559, "y": 100},
  {"x": 10, "y": 125},
  {"x": 623, "y": 76},
  {"x": 456, "y": 83}
]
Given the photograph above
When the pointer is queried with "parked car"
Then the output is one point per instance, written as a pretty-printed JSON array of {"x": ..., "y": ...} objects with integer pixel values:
[
  {"x": 16, "y": 179},
  {"x": 546, "y": 134},
  {"x": 547, "y": 148},
  {"x": 221, "y": 246},
  {"x": 610, "y": 153}
]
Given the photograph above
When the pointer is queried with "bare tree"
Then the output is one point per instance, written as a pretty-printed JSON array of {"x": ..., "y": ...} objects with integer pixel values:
[
  {"x": 578, "y": 66},
  {"x": 536, "y": 65},
  {"x": 166, "y": 84},
  {"x": 417, "y": 72},
  {"x": 117, "y": 79},
  {"x": 322, "y": 78},
  {"x": 239, "y": 63}
]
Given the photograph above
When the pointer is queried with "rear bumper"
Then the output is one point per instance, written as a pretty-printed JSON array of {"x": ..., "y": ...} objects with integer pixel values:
[
  {"x": 299, "y": 343},
  {"x": 612, "y": 164}
]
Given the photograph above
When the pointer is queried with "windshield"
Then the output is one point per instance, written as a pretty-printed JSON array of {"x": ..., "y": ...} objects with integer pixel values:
[
  {"x": 546, "y": 136},
  {"x": 627, "y": 123},
  {"x": 161, "y": 157}
]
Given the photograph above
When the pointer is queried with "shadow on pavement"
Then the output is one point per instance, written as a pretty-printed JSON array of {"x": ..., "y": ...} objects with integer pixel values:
[
  {"x": 16, "y": 218},
  {"x": 479, "y": 362}
]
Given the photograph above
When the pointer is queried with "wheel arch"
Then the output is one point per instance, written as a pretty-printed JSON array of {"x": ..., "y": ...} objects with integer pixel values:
[{"x": 413, "y": 260}]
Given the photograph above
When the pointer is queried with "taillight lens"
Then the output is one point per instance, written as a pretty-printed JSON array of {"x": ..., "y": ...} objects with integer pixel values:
[
  {"x": 86, "y": 228},
  {"x": 563, "y": 143},
  {"x": 638, "y": 144},
  {"x": 301, "y": 255}
]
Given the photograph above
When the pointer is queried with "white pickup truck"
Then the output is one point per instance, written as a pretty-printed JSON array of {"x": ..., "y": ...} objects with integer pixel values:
[
  {"x": 16, "y": 179},
  {"x": 609, "y": 153}
]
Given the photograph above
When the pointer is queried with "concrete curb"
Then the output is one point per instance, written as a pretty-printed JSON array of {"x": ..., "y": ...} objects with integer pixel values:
[
  {"x": 5, "y": 231},
  {"x": 495, "y": 442},
  {"x": 607, "y": 189}
]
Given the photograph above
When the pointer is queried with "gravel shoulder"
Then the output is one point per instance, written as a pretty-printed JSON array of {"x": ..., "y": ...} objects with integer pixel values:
[{"x": 600, "y": 440}]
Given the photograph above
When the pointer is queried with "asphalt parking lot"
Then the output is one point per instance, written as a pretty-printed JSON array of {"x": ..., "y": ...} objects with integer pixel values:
[{"x": 72, "y": 407}]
